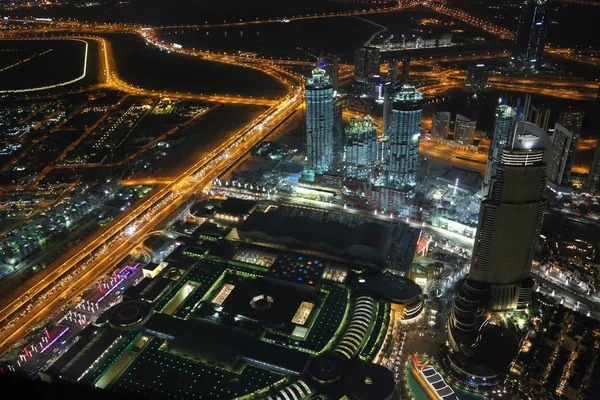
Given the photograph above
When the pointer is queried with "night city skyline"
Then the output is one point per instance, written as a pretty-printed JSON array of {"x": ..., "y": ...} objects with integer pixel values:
[{"x": 304, "y": 199}]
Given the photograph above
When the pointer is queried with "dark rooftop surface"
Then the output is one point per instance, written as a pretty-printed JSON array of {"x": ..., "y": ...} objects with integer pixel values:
[
  {"x": 235, "y": 207},
  {"x": 159, "y": 374},
  {"x": 370, "y": 382},
  {"x": 327, "y": 367},
  {"x": 369, "y": 241},
  {"x": 156, "y": 242},
  {"x": 492, "y": 356},
  {"x": 272, "y": 354},
  {"x": 148, "y": 289},
  {"x": 465, "y": 177},
  {"x": 222, "y": 345},
  {"x": 75, "y": 352},
  {"x": 59, "y": 390},
  {"x": 210, "y": 229},
  {"x": 205, "y": 340},
  {"x": 129, "y": 314},
  {"x": 94, "y": 349},
  {"x": 249, "y": 299},
  {"x": 388, "y": 286},
  {"x": 289, "y": 168}
]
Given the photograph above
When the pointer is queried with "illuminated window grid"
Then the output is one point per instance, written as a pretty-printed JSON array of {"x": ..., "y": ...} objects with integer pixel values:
[
  {"x": 302, "y": 313},
  {"x": 226, "y": 289},
  {"x": 335, "y": 274}
]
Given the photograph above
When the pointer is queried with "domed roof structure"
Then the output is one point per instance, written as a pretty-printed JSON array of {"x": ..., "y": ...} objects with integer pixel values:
[
  {"x": 370, "y": 382},
  {"x": 129, "y": 314}
]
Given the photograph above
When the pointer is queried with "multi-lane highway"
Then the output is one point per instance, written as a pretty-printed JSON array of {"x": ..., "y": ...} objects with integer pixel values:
[{"x": 102, "y": 254}]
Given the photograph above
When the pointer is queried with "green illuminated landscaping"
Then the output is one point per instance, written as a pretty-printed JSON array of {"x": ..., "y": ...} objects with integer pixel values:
[{"x": 156, "y": 373}]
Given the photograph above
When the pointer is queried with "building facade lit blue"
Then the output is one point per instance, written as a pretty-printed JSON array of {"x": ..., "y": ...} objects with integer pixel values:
[
  {"x": 404, "y": 122},
  {"x": 319, "y": 122},
  {"x": 361, "y": 150}
]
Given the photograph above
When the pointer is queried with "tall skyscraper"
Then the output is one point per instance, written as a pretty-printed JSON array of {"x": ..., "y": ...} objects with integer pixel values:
[
  {"x": 530, "y": 39},
  {"x": 403, "y": 120},
  {"x": 464, "y": 130},
  {"x": 383, "y": 151},
  {"x": 405, "y": 70},
  {"x": 561, "y": 145},
  {"x": 511, "y": 216},
  {"x": 392, "y": 75},
  {"x": 539, "y": 115},
  {"x": 504, "y": 126},
  {"x": 477, "y": 78},
  {"x": 331, "y": 67},
  {"x": 388, "y": 100},
  {"x": 361, "y": 150},
  {"x": 509, "y": 225},
  {"x": 319, "y": 122},
  {"x": 592, "y": 183},
  {"x": 366, "y": 64},
  {"x": 440, "y": 124},
  {"x": 571, "y": 119},
  {"x": 338, "y": 132}
]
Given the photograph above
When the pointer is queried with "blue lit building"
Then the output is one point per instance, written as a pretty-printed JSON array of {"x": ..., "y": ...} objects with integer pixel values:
[
  {"x": 361, "y": 150},
  {"x": 403, "y": 120},
  {"x": 366, "y": 64},
  {"x": 531, "y": 36},
  {"x": 319, "y": 122},
  {"x": 330, "y": 65}
]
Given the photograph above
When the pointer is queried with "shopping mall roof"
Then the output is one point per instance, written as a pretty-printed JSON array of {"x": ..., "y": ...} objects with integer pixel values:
[
  {"x": 370, "y": 381},
  {"x": 393, "y": 288},
  {"x": 369, "y": 241},
  {"x": 223, "y": 345},
  {"x": 235, "y": 207},
  {"x": 92, "y": 343},
  {"x": 289, "y": 168}
]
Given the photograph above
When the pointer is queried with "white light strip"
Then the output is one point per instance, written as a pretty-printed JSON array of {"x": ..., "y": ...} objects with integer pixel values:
[{"x": 80, "y": 77}]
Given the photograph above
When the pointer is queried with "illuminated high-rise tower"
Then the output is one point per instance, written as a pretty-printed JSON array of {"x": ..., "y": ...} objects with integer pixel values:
[
  {"x": 477, "y": 78},
  {"x": 561, "y": 146},
  {"x": 592, "y": 183},
  {"x": 361, "y": 150},
  {"x": 530, "y": 39},
  {"x": 509, "y": 226},
  {"x": 464, "y": 130},
  {"x": 539, "y": 115},
  {"x": 504, "y": 126},
  {"x": 319, "y": 122},
  {"x": 510, "y": 218},
  {"x": 330, "y": 65},
  {"x": 366, "y": 64},
  {"x": 440, "y": 124},
  {"x": 571, "y": 119},
  {"x": 403, "y": 122}
]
